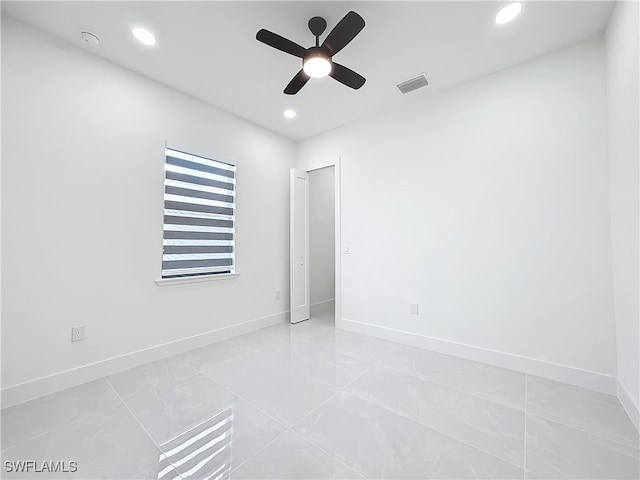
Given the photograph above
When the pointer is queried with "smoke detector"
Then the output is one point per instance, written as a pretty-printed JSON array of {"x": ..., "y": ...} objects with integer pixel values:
[
  {"x": 413, "y": 84},
  {"x": 89, "y": 38}
]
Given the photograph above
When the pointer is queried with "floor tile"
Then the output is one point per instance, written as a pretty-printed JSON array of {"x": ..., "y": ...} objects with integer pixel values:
[
  {"x": 292, "y": 329},
  {"x": 358, "y": 406},
  {"x": 259, "y": 339},
  {"x": 110, "y": 444},
  {"x": 558, "y": 451},
  {"x": 177, "y": 407},
  {"x": 276, "y": 387},
  {"x": 202, "y": 427},
  {"x": 292, "y": 457},
  {"x": 580, "y": 408},
  {"x": 321, "y": 320},
  {"x": 151, "y": 376},
  {"x": 484, "y": 381},
  {"x": 204, "y": 449},
  {"x": 529, "y": 475},
  {"x": 27, "y": 420},
  {"x": 486, "y": 425},
  {"x": 252, "y": 430},
  {"x": 330, "y": 367},
  {"x": 362, "y": 347},
  {"x": 378, "y": 443},
  {"x": 215, "y": 355},
  {"x": 324, "y": 319},
  {"x": 218, "y": 444},
  {"x": 245, "y": 367}
]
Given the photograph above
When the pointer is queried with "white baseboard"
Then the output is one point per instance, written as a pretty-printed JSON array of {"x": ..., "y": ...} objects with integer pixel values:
[
  {"x": 39, "y": 387},
  {"x": 324, "y": 306},
  {"x": 575, "y": 376},
  {"x": 629, "y": 405}
]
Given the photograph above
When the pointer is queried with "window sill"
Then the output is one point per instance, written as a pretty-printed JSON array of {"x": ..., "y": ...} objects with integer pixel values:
[{"x": 163, "y": 282}]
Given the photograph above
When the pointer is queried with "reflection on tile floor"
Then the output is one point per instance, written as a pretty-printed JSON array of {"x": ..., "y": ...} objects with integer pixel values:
[{"x": 309, "y": 401}]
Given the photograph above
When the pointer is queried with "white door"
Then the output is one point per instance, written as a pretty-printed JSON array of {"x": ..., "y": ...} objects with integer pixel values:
[{"x": 299, "y": 245}]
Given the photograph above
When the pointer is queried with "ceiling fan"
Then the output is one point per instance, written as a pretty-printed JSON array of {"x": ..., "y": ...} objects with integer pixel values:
[{"x": 316, "y": 61}]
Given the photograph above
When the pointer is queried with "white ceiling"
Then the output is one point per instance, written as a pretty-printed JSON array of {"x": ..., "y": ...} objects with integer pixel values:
[{"x": 209, "y": 50}]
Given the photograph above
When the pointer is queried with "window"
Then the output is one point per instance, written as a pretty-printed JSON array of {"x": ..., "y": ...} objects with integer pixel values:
[{"x": 199, "y": 216}]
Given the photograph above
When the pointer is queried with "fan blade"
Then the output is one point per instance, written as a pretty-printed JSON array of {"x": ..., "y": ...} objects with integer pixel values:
[
  {"x": 276, "y": 41},
  {"x": 343, "y": 33},
  {"x": 347, "y": 76},
  {"x": 296, "y": 83}
]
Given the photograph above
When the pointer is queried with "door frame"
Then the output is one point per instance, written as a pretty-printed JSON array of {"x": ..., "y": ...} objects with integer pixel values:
[{"x": 337, "y": 190}]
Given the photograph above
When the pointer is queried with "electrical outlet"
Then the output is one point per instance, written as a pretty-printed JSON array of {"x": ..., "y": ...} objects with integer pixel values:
[
  {"x": 277, "y": 295},
  {"x": 77, "y": 333},
  {"x": 414, "y": 309}
]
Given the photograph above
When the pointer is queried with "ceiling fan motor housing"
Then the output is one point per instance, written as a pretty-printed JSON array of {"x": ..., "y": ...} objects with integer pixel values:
[{"x": 317, "y": 25}]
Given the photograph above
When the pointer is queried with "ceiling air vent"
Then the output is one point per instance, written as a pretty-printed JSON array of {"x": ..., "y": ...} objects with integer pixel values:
[{"x": 413, "y": 84}]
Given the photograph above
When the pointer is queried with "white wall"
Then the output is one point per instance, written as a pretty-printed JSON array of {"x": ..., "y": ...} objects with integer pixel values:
[
  {"x": 82, "y": 183},
  {"x": 321, "y": 235},
  {"x": 624, "y": 151},
  {"x": 489, "y": 206}
]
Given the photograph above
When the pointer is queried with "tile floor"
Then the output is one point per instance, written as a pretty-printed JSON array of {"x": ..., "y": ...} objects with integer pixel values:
[{"x": 309, "y": 401}]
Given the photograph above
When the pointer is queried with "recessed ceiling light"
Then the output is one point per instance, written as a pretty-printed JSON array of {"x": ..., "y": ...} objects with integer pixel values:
[
  {"x": 508, "y": 12},
  {"x": 144, "y": 36},
  {"x": 288, "y": 113}
]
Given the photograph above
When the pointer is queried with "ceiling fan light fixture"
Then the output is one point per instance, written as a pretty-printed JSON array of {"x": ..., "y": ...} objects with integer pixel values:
[
  {"x": 508, "y": 13},
  {"x": 317, "y": 65}
]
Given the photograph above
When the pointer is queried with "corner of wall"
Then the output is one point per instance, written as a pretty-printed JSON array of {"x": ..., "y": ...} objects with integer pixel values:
[{"x": 632, "y": 409}]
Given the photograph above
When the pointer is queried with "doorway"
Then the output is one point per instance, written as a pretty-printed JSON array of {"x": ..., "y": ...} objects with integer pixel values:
[
  {"x": 314, "y": 239},
  {"x": 322, "y": 273}
]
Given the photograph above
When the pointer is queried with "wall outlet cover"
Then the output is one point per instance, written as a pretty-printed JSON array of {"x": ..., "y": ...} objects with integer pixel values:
[{"x": 77, "y": 333}]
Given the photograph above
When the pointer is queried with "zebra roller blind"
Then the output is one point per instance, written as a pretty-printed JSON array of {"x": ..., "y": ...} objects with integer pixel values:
[{"x": 199, "y": 216}]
